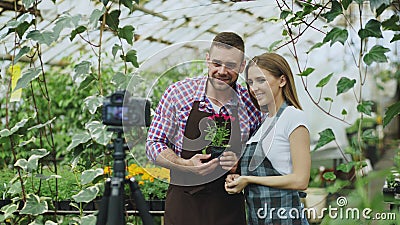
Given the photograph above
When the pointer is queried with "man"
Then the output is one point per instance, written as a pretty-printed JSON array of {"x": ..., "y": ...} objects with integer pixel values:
[{"x": 176, "y": 138}]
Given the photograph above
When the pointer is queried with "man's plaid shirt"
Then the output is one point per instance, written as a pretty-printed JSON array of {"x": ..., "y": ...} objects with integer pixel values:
[{"x": 172, "y": 112}]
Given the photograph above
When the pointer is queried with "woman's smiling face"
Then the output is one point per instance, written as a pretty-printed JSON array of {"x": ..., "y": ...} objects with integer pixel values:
[{"x": 264, "y": 86}]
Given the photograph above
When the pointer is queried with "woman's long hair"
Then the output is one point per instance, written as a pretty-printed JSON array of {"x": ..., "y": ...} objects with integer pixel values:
[{"x": 277, "y": 66}]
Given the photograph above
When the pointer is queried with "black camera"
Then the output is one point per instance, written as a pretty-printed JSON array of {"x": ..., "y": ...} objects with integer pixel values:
[{"x": 121, "y": 109}]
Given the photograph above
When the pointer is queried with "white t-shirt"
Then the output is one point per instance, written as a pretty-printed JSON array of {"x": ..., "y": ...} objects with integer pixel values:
[{"x": 276, "y": 144}]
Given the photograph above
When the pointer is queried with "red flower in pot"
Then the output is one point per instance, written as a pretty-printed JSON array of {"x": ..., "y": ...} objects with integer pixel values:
[{"x": 217, "y": 132}]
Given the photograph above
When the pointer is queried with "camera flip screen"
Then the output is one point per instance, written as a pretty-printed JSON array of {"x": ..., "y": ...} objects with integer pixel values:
[{"x": 116, "y": 114}]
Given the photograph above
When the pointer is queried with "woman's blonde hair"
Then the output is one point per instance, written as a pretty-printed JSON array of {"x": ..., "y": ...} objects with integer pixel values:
[{"x": 277, "y": 66}]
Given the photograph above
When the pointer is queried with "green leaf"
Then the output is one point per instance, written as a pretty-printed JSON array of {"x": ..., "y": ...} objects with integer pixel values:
[
  {"x": 131, "y": 57},
  {"x": 346, "y": 3},
  {"x": 42, "y": 125},
  {"x": 40, "y": 152},
  {"x": 344, "y": 112},
  {"x": 14, "y": 23},
  {"x": 365, "y": 107},
  {"x": 86, "y": 195},
  {"x": 21, "y": 28},
  {"x": 396, "y": 37},
  {"x": 32, "y": 163},
  {"x": 391, "y": 23},
  {"x": 24, "y": 143},
  {"x": 285, "y": 14},
  {"x": 376, "y": 54},
  {"x": 82, "y": 68},
  {"x": 87, "y": 81},
  {"x": 345, "y": 167},
  {"x": 105, "y": 2},
  {"x": 5, "y": 133},
  {"x": 46, "y": 177},
  {"x": 112, "y": 19},
  {"x": 120, "y": 80},
  {"x": 115, "y": 49},
  {"x": 127, "y": 33},
  {"x": 329, "y": 176},
  {"x": 21, "y": 163},
  {"x": 325, "y": 137},
  {"x": 337, "y": 186},
  {"x": 27, "y": 3},
  {"x": 128, "y": 4},
  {"x": 78, "y": 138},
  {"x": 306, "y": 72},
  {"x": 99, "y": 132},
  {"x": 369, "y": 135},
  {"x": 372, "y": 29},
  {"x": 344, "y": 84},
  {"x": 324, "y": 81},
  {"x": 317, "y": 45},
  {"x": 27, "y": 77},
  {"x": 336, "y": 35},
  {"x": 273, "y": 45},
  {"x": 34, "y": 206},
  {"x": 89, "y": 220},
  {"x": 328, "y": 99},
  {"x": 78, "y": 30},
  {"x": 95, "y": 16},
  {"x": 46, "y": 37},
  {"x": 381, "y": 9},
  {"x": 9, "y": 210},
  {"x": 391, "y": 112},
  {"x": 19, "y": 125},
  {"x": 336, "y": 10},
  {"x": 377, "y": 3},
  {"x": 89, "y": 175},
  {"x": 92, "y": 103},
  {"x": 21, "y": 53},
  {"x": 65, "y": 21}
]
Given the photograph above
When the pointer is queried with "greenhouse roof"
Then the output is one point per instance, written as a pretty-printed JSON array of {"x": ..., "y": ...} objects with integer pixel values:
[{"x": 158, "y": 24}]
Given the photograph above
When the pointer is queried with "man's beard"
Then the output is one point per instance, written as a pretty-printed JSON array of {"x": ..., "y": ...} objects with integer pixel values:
[{"x": 221, "y": 85}]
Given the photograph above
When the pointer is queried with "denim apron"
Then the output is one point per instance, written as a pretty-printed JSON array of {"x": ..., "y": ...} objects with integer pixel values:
[{"x": 268, "y": 205}]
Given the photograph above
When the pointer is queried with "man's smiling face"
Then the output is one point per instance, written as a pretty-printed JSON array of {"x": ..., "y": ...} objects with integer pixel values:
[{"x": 224, "y": 65}]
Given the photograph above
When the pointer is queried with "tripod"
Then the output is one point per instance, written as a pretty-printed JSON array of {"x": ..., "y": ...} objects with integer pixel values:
[{"x": 111, "y": 210}]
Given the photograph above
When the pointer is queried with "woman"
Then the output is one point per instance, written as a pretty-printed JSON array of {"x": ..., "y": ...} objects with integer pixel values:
[{"x": 276, "y": 162}]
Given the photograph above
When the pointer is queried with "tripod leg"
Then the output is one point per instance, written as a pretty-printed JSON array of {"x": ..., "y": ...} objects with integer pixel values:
[
  {"x": 116, "y": 202},
  {"x": 141, "y": 204},
  {"x": 102, "y": 215}
]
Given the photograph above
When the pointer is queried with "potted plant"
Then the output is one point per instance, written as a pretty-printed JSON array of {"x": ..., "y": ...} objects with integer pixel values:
[
  {"x": 217, "y": 132},
  {"x": 153, "y": 183}
]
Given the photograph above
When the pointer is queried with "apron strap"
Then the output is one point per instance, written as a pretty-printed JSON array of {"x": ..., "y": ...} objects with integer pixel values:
[{"x": 259, "y": 153}]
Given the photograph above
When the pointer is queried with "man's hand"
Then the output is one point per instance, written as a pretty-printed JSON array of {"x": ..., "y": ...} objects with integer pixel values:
[
  {"x": 196, "y": 165},
  {"x": 228, "y": 161}
]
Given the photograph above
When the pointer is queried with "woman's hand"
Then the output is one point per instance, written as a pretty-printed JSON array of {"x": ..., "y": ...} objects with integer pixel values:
[
  {"x": 231, "y": 177},
  {"x": 235, "y": 183}
]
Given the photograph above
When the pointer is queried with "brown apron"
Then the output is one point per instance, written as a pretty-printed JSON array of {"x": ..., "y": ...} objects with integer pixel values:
[{"x": 201, "y": 202}]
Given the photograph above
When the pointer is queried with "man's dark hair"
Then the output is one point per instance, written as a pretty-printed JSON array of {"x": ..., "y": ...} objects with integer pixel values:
[{"x": 228, "y": 40}]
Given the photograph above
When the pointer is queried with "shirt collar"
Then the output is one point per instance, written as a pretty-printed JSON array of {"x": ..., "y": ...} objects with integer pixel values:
[{"x": 200, "y": 95}]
